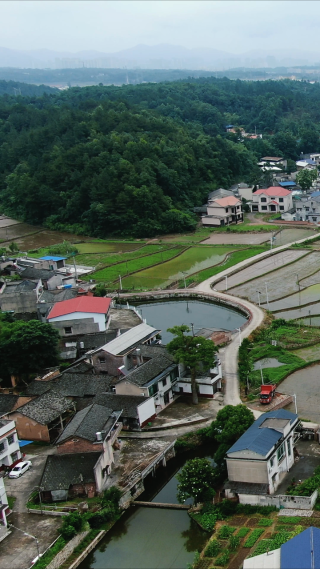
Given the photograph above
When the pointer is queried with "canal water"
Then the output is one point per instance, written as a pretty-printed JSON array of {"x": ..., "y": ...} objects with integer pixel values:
[
  {"x": 152, "y": 538},
  {"x": 202, "y": 314}
]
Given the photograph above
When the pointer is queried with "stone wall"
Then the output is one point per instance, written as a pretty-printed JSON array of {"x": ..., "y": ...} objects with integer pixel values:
[
  {"x": 281, "y": 501},
  {"x": 67, "y": 550}
]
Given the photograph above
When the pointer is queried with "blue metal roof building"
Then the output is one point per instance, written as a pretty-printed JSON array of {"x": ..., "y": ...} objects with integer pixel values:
[
  {"x": 287, "y": 184},
  {"x": 262, "y": 440},
  {"x": 52, "y": 258},
  {"x": 302, "y": 551}
]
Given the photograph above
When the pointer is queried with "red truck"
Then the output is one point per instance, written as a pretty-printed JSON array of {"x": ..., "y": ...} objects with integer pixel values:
[{"x": 267, "y": 393}]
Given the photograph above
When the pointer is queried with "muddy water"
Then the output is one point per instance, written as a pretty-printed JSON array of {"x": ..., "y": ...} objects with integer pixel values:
[
  {"x": 267, "y": 362},
  {"x": 147, "y": 538},
  {"x": 305, "y": 384}
]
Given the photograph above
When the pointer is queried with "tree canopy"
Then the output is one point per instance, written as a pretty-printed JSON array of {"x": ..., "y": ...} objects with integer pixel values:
[
  {"x": 194, "y": 352},
  {"x": 27, "y": 347},
  {"x": 196, "y": 481},
  {"x": 231, "y": 423}
]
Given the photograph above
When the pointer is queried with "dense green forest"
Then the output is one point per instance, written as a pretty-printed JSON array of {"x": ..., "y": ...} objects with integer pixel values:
[
  {"x": 25, "y": 89},
  {"x": 135, "y": 160}
]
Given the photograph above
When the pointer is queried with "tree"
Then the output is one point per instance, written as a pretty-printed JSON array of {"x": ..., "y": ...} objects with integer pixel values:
[
  {"x": 196, "y": 480},
  {"x": 194, "y": 352},
  {"x": 231, "y": 423},
  {"x": 27, "y": 347},
  {"x": 305, "y": 178}
]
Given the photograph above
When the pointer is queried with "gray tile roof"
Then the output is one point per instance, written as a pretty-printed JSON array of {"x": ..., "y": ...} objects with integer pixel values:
[
  {"x": 86, "y": 423},
  {"x": 53, "y": 296},
  {"x": 80, "y": 385},
  {"x": 46, "y": 407},
  {"x": 247, "y": 487},
  {"x": 79, "y": 366},
  {"x": 150, "y": 370},
  {"x": 63, "y": 470},
  {"x": 37, "y": 387},
  {"x": 7, "y": 402},
  {"x": 93, "y": 341},
  {"x": 261, "y": 440},
  {"x": 36, "y": 274},
  {"x": 128, "y": 403},
  {"x": 24, "y": 302}
]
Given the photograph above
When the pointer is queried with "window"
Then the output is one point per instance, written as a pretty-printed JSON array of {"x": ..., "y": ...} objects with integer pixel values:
[
  {"x": 10, "y": 439},
  {"x": 2, "y": 447},
  {"x": 299, "y": 208},
  {"x": 280, "y": 452},
  {"x": 271, "y": 462},
  {"x": 68, "y": 330},
  {"x": 227, "y": 210},
  {"x": 307, "y": 208},
  {"x": 289, "y": 447},
  {"x": 263, "y": 199},
  {"x": 264, "y": 207},
  {"x": 281, "y": 207},
  {"x": 280, "y": 199},
  {"x": 14, "y": 456},
  {"x": 102, "y": 360},
  {"x": 164, "y": 381},
  {"x": 153, "y": 389},
  {"x": 314, "y": 219}
]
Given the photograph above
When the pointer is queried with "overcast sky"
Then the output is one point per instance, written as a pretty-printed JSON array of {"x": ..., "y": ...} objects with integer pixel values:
[{"x": 112, "y": 25}]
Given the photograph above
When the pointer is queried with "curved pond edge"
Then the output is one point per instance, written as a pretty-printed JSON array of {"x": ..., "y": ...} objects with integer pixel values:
[{"x": 186, "y": 294}]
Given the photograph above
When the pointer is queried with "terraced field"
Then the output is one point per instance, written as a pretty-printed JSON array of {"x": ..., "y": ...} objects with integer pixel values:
[
  {"x": 281, "y": 282},
  {"x": 309, "y": 294},
  {"x": 262, "y": 267}
]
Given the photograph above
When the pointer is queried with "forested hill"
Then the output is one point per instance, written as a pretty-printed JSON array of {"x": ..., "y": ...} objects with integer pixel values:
[
  {"x": 25, "y": 89},
  {"x": 135, "y": 160}
]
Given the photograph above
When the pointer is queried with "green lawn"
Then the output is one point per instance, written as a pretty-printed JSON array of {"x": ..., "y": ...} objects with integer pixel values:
[{"x": 111, "y": 273}]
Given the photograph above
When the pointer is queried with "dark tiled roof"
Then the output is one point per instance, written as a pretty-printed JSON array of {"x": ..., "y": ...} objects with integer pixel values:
[
  {"x": 36, "y": 274},
  {"x": 79, "y": 385},
  {"x": 128, "y": 403},
  {"x": 46, "y": 407},
  {"x": 63, "y": 470},
  {"x": 86, "y": 423},
  {"x": 7, "y": 402},
  {"x": 20, "y": 303},
  {"x": 37, "y": 387},
  {"x": 93, "y": 341},
  {"x": 52, "y": 296},
  {"x": 79, "y": 366},
  {"x": 247, "y": 487},
  {"x": 20, "y": 286},
  {"x": 261, "y": 440},
  {"x": 150, "y": 370}
]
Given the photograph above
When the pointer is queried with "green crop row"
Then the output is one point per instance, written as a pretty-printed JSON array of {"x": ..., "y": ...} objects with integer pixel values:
[{"x": 253, "y": 537}]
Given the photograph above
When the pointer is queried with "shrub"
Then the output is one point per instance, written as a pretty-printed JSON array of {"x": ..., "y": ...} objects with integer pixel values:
[
  {"x": 223, "y": 559},
  {"x": 68, "y": 532},
  {"x": 97, "y": 519},
  {"x": 112, "y": 495},
  {"x": 213, "y": 548},
  {"x": 208, "y": 521},
  {"x": 264, "y": 522},
  {"x": 234, "y": 542},
  {"x": 225, "y": 532},
  {"x": 243, "y": 532},
  {"x": 253, "y": 537},
  {"x": 72, "y": 524}
]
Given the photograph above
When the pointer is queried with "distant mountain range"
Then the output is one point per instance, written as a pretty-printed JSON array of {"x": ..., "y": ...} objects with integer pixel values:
[{"x": 162, "y": 56}]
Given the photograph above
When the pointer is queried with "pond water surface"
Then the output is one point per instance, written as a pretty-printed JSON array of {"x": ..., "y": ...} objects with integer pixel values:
[{"x": 201, "y": 314}]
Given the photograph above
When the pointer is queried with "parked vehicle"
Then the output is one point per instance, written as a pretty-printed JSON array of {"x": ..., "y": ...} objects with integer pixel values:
[
  {"x": 20, "y": 469},
  {"x": 267, "y": 393}
]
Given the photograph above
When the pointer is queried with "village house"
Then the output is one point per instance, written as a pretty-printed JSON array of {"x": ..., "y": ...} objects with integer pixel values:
[
  {"x": 273, "y": 162},
  {"x": 259, "y": 461},
  {"x": 271, "y": 200},
  {"x": 208, "y": 382},
  {"x": 43, "y": 418},
  {"x": 223, "y": 211},
  {"x": 84, "y": 314},
  {"x": 119, "y": 352},
  {"x": 137, "y": 411},
  {"x": 308, "y": 208},
  {"x": 9, "y": 444},
  {"x": 4, "y": 511}
]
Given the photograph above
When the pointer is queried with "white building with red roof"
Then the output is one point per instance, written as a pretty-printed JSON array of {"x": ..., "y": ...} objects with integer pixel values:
[
  {"x": 272, "y": 200},
  {"x": 223, "y": 211},
  {"x": 83, "y": 314}
]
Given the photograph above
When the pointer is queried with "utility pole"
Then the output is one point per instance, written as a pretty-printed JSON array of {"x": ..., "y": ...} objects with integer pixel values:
[
  {"x": 258, "y": 296},
  {"x": 192, "y": 328},
  {"x": 271, "y": 239},
  {"x": 120, "y": 282},
  {"x": 262, "y": 381},
  {"x": 226, "y": 277},
  {"x": 184, "y": 278},
  {"x": 267, "y": 294},
  {"x": 240, "y": 341},
  {"x": 75, "y": 267}
]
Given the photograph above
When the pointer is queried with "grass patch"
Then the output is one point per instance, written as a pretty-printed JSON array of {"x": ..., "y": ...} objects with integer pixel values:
[
  {"x": 100, "y": 260},
  {"x": 243, "y": 532},
  {"x": 251, "y": 540},
  {"x": 111, "y": 273},
  {"x": 233, "y": 259},
  {"x": 50, "y": 554},
  {"x": 262, "y": 351},
  {"x": 289, "y": 520},
  {"x": 11, "y": 501}
]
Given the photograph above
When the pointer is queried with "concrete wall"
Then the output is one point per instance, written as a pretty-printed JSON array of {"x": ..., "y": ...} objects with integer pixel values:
[
  {"x": 110, "y": 364},
  {"x": 124, "y": 387},
  {"x": 79, "y": 326},
  {"x": 247, "y": 471},
  {"x": 146, "y": 411},
  {"x": 281, "y": 501},
  {"x": 99, "y": 319},
  {"x": 29, "y": 429},
  {"x": 77, "y": 444},
  {"x": 6, "y": 454}
]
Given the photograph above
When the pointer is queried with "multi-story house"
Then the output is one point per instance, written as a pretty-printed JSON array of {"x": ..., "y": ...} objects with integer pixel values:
[
  {"x": 308, "y": 209},
  {"x": 9, "y": 444},
  {"x": 223, "y": 211},
  {"x": 258, "y": 462},
  {"x": 272, "y": 200}
]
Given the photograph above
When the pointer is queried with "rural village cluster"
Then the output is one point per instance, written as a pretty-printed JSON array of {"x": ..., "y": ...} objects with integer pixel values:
[{"x": 106, "y": 416}]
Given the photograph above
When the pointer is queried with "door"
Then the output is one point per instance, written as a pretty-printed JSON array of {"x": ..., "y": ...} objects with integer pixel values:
[{"x": 166, "y": 398}]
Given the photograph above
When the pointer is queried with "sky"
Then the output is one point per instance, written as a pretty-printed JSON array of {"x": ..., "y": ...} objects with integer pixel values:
[{"x": 113, "y": 25}]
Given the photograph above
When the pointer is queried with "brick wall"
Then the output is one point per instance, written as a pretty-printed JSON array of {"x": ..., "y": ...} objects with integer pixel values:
[{"x": 78, "y": 445}]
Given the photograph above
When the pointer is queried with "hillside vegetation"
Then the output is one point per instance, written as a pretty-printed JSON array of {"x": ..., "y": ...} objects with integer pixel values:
[{"x": 135, "y": 160}]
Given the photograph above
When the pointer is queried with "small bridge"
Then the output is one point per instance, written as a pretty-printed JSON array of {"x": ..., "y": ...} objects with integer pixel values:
[{"x": 161, "y": 505}]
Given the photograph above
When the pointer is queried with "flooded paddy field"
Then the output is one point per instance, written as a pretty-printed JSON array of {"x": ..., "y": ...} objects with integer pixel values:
[
  {"x": 281, "y": 282},
  {"x": 310, "y": 354},
  {"x": 300, "y": 312},
  {"x": 283, "y": 237},
  {"x": 310, "y": 294},
  {"x": 267, "y": 362},
  {"x": 262, "y": 267},
  {"x": 305, "y": 384}
]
